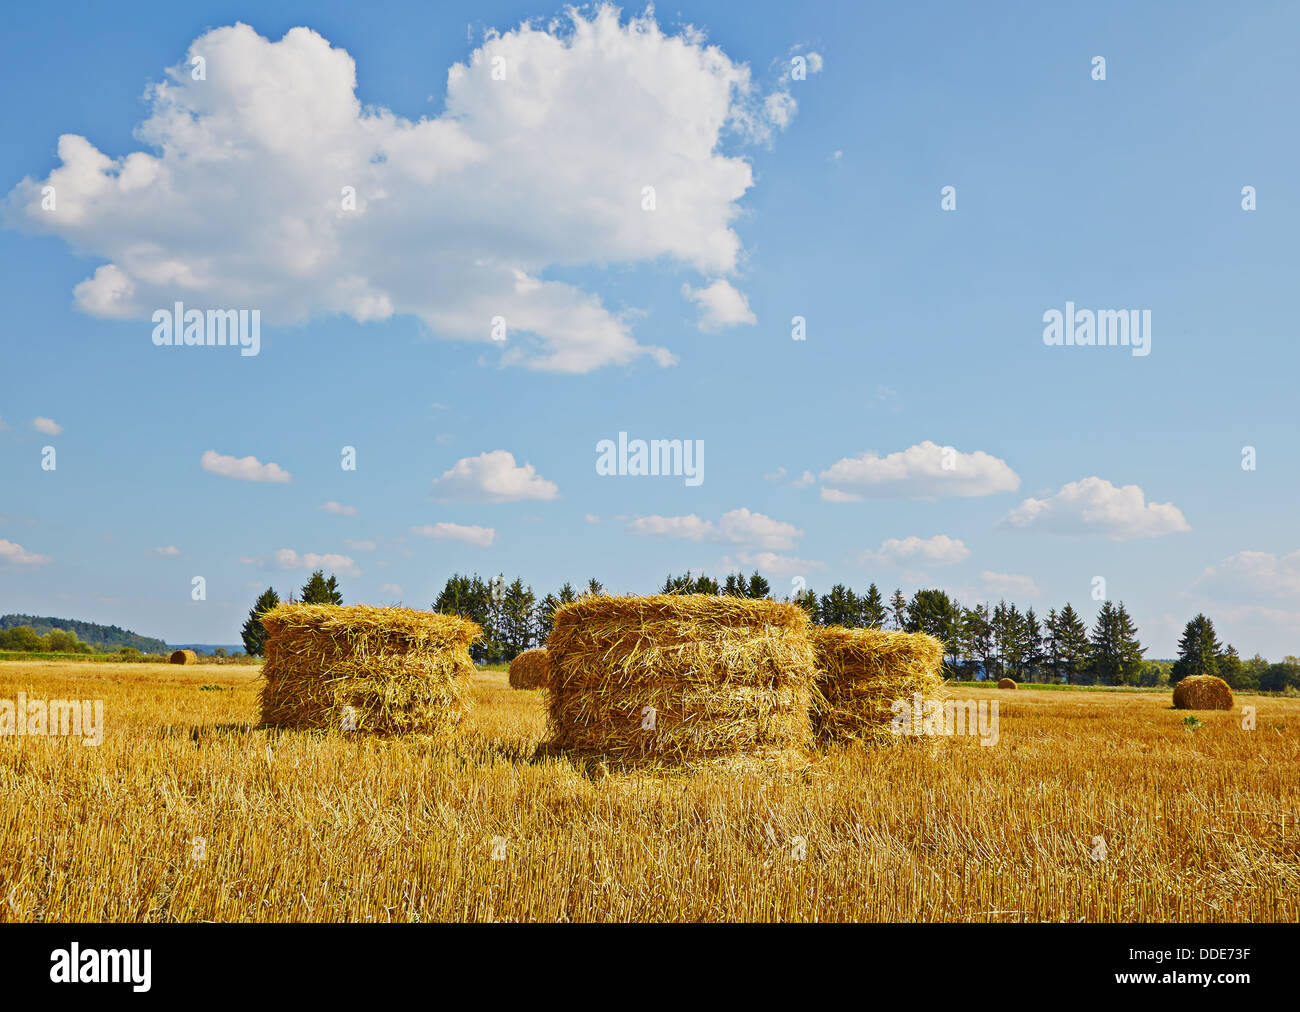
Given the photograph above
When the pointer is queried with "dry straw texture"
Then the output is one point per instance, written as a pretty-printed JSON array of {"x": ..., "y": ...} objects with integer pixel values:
[
  {"x": 1007, "y": 683},
  {"x": 680, "y": 681},
  {"x": 529, "y": 670},
  {"x": 184, "y": 657},
  {"x": 861, "y": 672},
  {"x": 399, "y": 670},
  {"x": 1202, "y": 692}
]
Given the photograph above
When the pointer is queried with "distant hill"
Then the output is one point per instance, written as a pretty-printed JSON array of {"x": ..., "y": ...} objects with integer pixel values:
[
  {"x": 207, "y": 648},
  {"x": 103, "y": 638}
]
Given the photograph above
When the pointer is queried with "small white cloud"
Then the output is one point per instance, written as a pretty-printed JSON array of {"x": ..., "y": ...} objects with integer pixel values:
[
  {"x": 170, "y": 550},
  {"x": 338, "y": 508},
  {"x": 924, "y": 471},
  {"x": 242, "y": 468},
  {"x": 1094, "y": 506},
  {"x": 804, "y": 480},
  {"x": 1007, "y": 585},
  {"x": 771, "y": 562},
  {"x": 743, "y": 527},
  {"x": 1252, "y": 576},
  {"x": 776, "y": 475},
  {"x": 721, "y": 305},
  {"x": 46, "y": 425},
  {"x": 940, "y": 550},
  {"x": 359, "y": 546},
  {"x": 591, "y": 518},
  {"x": 814, "y": 63},
  {"x": 492, "y": 477},
  {"x": 391, "y": 588},
  {"x": 340, "y": 565},
  {"x": 471, "y": 535},
  {"x": 690, "y": 527},
  {"x": 16, "y": 555}
]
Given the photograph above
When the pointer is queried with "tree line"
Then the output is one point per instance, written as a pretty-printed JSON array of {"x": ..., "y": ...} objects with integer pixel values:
[{"x": 982, "y": 641}]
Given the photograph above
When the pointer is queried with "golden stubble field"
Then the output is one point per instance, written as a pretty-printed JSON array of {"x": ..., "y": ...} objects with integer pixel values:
[{"x": 1198, "y": 824}]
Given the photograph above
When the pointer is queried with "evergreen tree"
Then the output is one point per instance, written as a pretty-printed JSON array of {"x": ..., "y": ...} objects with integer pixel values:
[
  {"x": 871, "y": 609},
  {"x": 807, "y": 600},
  {"x": 736, "y": 585},
  {"x": 1033, "y": 646},
  {"x": 898, "y": 609},
  {"x": 977, "y": 633},
  {"x": 1072, "y": 645},
  {"x": 1198, "y": 650},
  {"x": 594, "y": 588},
  {"x": 544, "y": 621},
  {"x": 759, "y": 588},
  {"x": 253, "y": 634},
  {"x": 840, "y": 607},
  {"x": 1052, "y": 645},
  {"x": 516, "y": 620},
  {"x": 1116, "y": 655},
  {"x": 471, "y": 598},
  {"x": 318, "y": 590}
]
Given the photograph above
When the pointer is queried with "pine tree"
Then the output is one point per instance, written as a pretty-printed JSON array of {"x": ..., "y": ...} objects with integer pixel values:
[
  {"x": 516, "y": 620},
  {"x": 840, "y": 607},
  {"x": 253, "y": 634},
  {"x": 871, "y": 609},
  {"x": 934, "y": 612},
  {"x": 898, "y": 609},
  {"x": 978, "y": 637},
  {"x": 1116, "y": 653},
  {"x": 807, "y": 600},
  {"x": 1073, "y": 644},
  {"x": 759, "y": 588},
  {"x": 1052, "y": 645},
  {"x": 1033, "y": 646},
  {"x": 318, "y": 590},
  {"x": 1198, "y": 650}
]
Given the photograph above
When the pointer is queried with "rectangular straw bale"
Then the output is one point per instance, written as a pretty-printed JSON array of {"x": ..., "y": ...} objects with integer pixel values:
[
  {"x": 398, "y": 670},
  {"x": 680, "y": 680}
]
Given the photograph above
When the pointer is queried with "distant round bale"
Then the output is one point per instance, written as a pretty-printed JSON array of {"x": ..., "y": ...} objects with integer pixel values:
[
  {"x": 529, "y": 670},
  {"x": 184, "y": 657},
  {"x": 863, "y": 672},
  {"x": 1202, "y": 692},
  {"x": 377, "y": 670},
  {"x": 681, "y": 681},
  {"x": 1007, "y": 683}
]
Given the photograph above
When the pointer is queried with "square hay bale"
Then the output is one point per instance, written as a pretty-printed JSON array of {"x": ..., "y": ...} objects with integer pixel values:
[
  {"x": 669, "y": 680},
  {"x": 530, "y": 670},
  {"x": 379, "y": 670},
  {"x": 862, "y": 672}
]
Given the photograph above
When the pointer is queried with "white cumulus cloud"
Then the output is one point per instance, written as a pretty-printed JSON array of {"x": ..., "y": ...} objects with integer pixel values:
[
  {"x": 243, "y": 468},
  {"x": 470, "y": 534},
  {"x": 940, "y": 550},
  {"x": 720, "y": 304},
  {"x": 492, "y": 477},
  {"x": 690, "y": 527},
  {"x": 1252, "y": 576},
  {"x": 1093, "y": 506},
  {"x": 924, "y": 471},
  {"x": 339, "y": 565},
  {"x": 46, "y": 425},
  {"x": 536, "y": 163},
  {"x": 338, "y": 508},
  {"x": 13, "y": 554}
]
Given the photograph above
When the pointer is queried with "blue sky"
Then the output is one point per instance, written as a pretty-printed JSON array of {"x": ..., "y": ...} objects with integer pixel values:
[{"x": 523, "y": 197}]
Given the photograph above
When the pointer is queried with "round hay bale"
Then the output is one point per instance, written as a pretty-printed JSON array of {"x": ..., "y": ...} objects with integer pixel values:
[
  {"x": 863, "y": 672},
  {"x": 379, "y": 670},
  {"x": 529, "y": 670},
  {"x": 1007, "y": 683},
  {"x": 1202, "y": 692},
  {"x": 685, "y": 680},
  {"x": 183, "y": 657}
]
